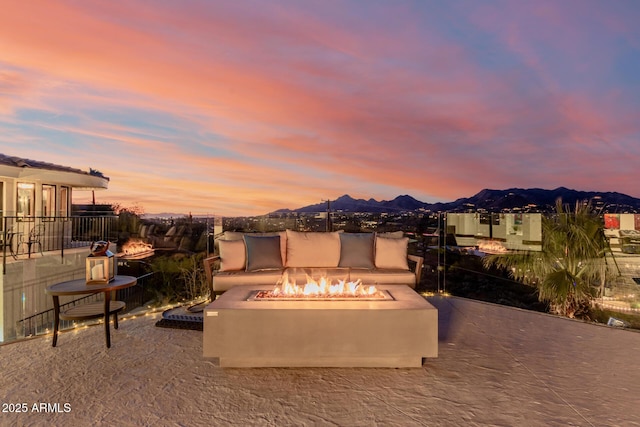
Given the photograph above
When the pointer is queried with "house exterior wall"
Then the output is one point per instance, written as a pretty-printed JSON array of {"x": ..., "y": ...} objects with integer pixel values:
[
  {"x": 11, "y": 175},
  {"x": 23, "y": 283},
  {"x": 10, "y": 199}
]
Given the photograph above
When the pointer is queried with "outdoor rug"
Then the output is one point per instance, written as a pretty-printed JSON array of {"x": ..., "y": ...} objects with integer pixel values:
[{"x": 181, "y": 318}]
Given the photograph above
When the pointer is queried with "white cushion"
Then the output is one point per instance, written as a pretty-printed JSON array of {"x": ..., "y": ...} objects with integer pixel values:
[
  {"x": 232, "y": 235},
  {"x": 313, "y": 249},
  {"x": 227, "y": 279},
  {"x": 232, "y": 255},
  {"x": 299, "y": 275},
  {"x": 392, "y": 253},
  {"x": 392, "y": 234}
]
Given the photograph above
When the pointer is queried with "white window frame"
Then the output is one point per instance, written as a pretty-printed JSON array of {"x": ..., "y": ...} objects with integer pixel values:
[
  {"x": 48, "y": 200},
  {"x": 25, "y": 199},
  {"x": 65, "y": 201}
]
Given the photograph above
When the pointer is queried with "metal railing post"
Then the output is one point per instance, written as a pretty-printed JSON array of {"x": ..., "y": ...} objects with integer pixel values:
[
  {"x": 4, "y": 246},
  {"x": 62, "y": 222}
]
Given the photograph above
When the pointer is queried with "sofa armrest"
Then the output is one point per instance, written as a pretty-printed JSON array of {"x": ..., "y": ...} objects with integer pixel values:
[
  {"x": 209, "y": 270},
  {"x": 418, "y": 270}
]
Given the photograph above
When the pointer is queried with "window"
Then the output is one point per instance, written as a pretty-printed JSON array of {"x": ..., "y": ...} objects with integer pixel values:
[
  {"x": 64, "y": 201},
  {"x": 489, "y": 218},
  {"x": 26, "y": 199},
  {"x": 48, "y": 200}
]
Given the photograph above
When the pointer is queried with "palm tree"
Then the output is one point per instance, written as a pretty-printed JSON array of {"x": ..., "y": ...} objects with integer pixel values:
[{"x": 572, "y": 263}]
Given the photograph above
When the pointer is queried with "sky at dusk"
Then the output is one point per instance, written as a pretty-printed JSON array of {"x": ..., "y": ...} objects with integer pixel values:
[{"x": 243, "y": 107}]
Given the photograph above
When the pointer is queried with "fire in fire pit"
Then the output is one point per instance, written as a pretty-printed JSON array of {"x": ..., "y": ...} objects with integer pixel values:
[
  {"x": 321, "y": 289},
  {"x": 492, "y": 247},
  {"x": 136, "y": 249}
]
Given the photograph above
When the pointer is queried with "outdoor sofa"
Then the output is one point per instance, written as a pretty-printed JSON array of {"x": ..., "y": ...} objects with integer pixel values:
[{"x": 262, "y": 258}]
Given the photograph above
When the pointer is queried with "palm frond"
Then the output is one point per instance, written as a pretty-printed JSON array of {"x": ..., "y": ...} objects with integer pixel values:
[{"x": 572, "y": 260}]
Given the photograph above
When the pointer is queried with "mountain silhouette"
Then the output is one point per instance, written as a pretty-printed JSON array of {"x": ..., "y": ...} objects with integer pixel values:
[{"x": 532, "y": 199}]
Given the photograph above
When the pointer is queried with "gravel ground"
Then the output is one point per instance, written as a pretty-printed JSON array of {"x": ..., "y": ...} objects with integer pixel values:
[{"x": 497, "y": 366}]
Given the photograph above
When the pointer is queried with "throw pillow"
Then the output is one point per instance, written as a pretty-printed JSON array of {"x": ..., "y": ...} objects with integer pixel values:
[
  {"x": 392, "y": 253},
  {"x": 263, "y": 252},
  {"x": 313, "y": 249},
  {"x": 283, "y": 242},
  {"x": 239, "y": 235},
  {"x": 232, "y": 255},
  {"x": 356, "y": 250}
]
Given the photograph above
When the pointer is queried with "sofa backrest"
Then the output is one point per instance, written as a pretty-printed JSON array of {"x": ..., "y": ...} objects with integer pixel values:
[{"x": 313, "y": 250}]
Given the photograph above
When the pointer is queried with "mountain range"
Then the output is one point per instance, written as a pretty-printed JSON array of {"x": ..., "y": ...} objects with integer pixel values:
[{"x": 532, "y": 199}]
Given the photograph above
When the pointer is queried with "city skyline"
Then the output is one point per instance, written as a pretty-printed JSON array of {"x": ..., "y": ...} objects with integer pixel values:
[{"x": 241, "y": 108}]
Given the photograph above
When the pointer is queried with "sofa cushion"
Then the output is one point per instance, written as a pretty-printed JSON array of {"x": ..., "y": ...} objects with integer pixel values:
[
  {"x": 387, "y": 276},
  {"x": 232, "y": 255},
  {"x": 263, "y": 252},
  {"x": 392, "y": 234},
  {"x": 227, "y": 236},
  {"x": 391, "y": 253},
  {"x": 312, "y": 249},
  {"x": 232, "y": 235},
  {"x": 224, "y": 281},
  {"x": 299, "y": 275},
  {"x": 356, "y": 250}
]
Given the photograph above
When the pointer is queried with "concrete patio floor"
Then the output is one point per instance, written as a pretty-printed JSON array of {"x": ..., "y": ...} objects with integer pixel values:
[{"x": 496, "y": 366}]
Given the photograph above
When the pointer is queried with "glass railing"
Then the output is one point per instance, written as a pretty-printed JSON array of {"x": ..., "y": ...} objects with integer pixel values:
[
  {"x": 454, "y": 244},
  {"x": 42, "y": 322},
  {"x": 452, "y": 248}
]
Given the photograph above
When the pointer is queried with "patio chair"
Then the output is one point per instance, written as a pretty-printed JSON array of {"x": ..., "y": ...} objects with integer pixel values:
[
  {"x": 6, "y": 241},
  {"x": 34, "y": 238}
]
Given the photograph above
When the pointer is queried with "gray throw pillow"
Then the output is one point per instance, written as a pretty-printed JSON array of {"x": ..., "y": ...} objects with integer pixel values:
[
  {"x": 356, "y": 250},
  {"x": 263, "y": 252}
]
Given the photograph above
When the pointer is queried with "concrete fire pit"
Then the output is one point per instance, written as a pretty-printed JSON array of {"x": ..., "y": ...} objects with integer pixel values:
[{"x": 398, "y": 332}]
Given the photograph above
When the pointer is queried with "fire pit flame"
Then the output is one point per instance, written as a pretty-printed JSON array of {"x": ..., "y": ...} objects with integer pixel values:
[
  {"x": 136, "y": 248},
  {"x": 321, "y": 289},
  {"x": 492, "y": 247}
]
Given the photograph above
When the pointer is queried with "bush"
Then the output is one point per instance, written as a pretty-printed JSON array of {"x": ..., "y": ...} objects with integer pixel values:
[
  {"x": 467, "y": 277},
  {"x": 180, "y": 277},
  {"x": 599, "y": 315}
]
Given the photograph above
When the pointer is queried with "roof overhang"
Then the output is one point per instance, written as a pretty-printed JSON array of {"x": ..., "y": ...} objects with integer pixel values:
[{"x": 76, "y": 180}]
